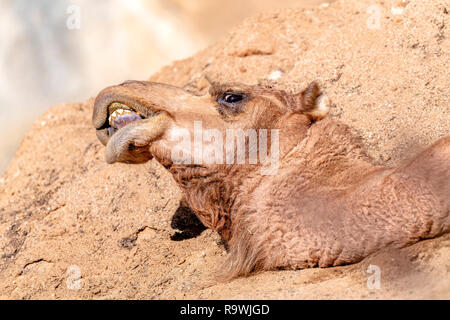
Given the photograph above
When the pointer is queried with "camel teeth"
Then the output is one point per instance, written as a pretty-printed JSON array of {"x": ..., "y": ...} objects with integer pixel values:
[
  {"x": 113, "y": 117},
  {"x": 120, "y": 112}
]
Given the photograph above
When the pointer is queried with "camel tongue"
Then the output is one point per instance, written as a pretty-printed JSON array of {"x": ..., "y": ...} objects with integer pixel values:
[{"x": 121, "y": 117}]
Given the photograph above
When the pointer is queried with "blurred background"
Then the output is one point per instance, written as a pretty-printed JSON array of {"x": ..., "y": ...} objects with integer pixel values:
[{"x": 54, "y": 52}]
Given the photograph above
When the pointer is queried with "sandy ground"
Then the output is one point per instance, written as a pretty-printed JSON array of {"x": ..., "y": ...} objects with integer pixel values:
[{"x": 72, "y": 226}]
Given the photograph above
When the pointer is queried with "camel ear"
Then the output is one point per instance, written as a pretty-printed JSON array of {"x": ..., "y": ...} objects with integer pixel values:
[{"x": 312, "y": 102}]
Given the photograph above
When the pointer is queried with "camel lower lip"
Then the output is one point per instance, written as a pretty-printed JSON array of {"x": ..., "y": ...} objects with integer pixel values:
[{"x": 132, "y": 141}]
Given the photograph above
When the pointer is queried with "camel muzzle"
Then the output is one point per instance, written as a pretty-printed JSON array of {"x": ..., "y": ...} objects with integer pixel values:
[
  {"x": 127, "y": 120},
  {"x": 115, "y": 107}
]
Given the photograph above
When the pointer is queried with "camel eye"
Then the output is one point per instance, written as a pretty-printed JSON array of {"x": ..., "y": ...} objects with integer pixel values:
[
  {"x": 231, "y": 103},
  {"x": 231, "y": 97}
]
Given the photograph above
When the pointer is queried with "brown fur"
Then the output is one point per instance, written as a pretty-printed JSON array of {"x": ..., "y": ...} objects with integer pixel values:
[{"x": 327, "y": 205}]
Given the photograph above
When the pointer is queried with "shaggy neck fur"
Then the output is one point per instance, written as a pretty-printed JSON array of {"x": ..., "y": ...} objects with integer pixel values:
[{"x": 323, "y": 228}]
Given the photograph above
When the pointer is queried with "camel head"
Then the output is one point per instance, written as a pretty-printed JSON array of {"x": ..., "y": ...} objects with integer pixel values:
[
  {"x": 210, "y": 143},
  {"x": 138, "y": 120}
]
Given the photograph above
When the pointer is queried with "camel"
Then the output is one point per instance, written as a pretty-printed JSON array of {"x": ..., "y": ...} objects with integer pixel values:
[{"x": 326, "y": 204}]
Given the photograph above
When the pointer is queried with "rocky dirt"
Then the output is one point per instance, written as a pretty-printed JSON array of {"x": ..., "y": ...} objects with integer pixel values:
[{"x": 73, "y": 227}]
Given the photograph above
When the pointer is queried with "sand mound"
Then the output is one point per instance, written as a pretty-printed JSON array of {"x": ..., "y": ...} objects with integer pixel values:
[{"x": 72, "y": 226}]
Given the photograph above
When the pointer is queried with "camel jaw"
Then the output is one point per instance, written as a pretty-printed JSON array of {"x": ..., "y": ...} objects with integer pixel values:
[{"x": 131, "y": 142}]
